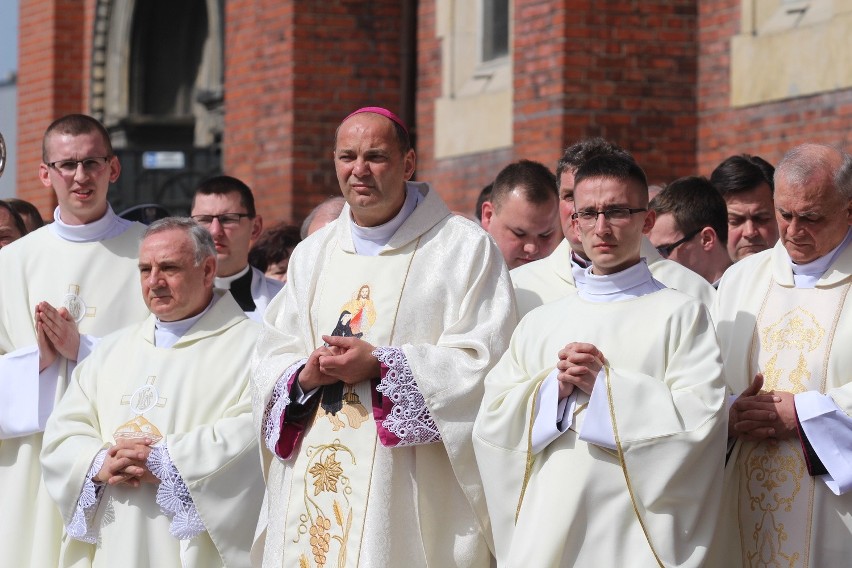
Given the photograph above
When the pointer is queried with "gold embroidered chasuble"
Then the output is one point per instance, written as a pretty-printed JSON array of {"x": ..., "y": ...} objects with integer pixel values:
[
  {"x": 577, "y": 507},
  {"x": 439, "y": 292},
  {"x": 550, "y": 278},
  {"x": 99, "y": 284},
  {"x": 776, "y": 514},
  {"x": 195, "y": 397}
]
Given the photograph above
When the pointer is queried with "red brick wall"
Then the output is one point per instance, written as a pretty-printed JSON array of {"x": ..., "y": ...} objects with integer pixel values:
[
  {"x": 767, "y": 130},
  {"x": 293, "y": 70},
  {"x": 53, "y": 67},
  {"x": 622, "y": 70}
]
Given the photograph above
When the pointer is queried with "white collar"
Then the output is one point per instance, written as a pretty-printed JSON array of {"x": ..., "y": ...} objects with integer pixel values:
[
  {"x": 808, "y": 274},
  {"x": 369, "y": 241},
  {"x": 167, "y": 333},
  {"x": 107, "y": 227},
  {"x": 629, "y": 283},
  {"x": 224, "y": 282}
]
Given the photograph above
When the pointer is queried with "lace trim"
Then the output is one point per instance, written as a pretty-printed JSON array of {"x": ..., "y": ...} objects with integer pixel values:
[
  {"x": 82, "y": 526},
  {"x": 277, "y": 404},
  {"x": 409, "y": 418},
  {"x": 173, "y": 496}
]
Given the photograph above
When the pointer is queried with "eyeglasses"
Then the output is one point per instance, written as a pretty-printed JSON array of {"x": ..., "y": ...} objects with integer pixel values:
[
  {"x": 225, "y": 219},
  {"x": 666, "y": 250},
  {"x": 615, "y": 216},
  {"x": 91, "y": 165}
]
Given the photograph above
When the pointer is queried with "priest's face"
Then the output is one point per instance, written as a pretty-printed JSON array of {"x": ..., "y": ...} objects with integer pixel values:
[
  {"x": 812, "y": 218},
  {"x": 612, "y": 244},
  {"x": 371, "y": 168},
  {"x": 524, "y": 231},
  {"x": 81, "y": 188},
  {"x": 751, "y": 222},
  {"x": 232, "y": 237},
  {"x": 173, "y": 286}
]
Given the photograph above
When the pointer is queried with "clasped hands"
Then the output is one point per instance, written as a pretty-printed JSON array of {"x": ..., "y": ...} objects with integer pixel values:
[
  {"x": 346, "y": 359},
  {"x": 125, "y": 463},
  {"x": 56, "y": 334},
  {"x": 758, "y": 416},
  {"x": 579, "y": 365}
]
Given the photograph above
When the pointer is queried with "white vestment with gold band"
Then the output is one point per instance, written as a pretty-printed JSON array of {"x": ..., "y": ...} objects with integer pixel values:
[
  {"x": 651, "y": 501},
  {"x": 799, "y": 338}
]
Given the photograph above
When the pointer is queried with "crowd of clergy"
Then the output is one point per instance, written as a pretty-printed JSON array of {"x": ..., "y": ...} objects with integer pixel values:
[{"x": 590, "y": 371}]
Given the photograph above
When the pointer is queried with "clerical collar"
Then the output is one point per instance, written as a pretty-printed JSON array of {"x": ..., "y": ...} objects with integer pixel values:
[
  {"x": 240, "y": 286},
  {"x": 107, "y": 227},
  {"x": 224, "y": 282},
  {"x": 167, "y": 333},
  {"x": 629, "y": 283},
  {"x": 808, "y": 274},
  {"x": 578, "y": 267},
  {"x": 369, "y": 241}
]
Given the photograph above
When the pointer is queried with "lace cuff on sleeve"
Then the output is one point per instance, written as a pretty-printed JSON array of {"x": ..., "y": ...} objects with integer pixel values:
[
  {"x": 409, "y": 418},
  {"x": 173, "y": 496},
  {"x": 277, "y": 404},
  {"x": 81, "y": 526}
]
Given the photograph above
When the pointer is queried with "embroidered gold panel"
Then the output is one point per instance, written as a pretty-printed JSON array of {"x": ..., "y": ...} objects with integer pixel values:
[
  {"x": 331, "y": 483},
  {"x": 793, "y": 336}
]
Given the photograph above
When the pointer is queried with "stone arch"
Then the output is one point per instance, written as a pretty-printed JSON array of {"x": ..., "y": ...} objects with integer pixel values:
[{"x": 157, "y": 71}]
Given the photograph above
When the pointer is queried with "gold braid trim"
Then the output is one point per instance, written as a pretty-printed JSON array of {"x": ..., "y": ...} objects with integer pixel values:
[
  {"x": 624, "y": 469},
  {"x": 530, "y": 456}
]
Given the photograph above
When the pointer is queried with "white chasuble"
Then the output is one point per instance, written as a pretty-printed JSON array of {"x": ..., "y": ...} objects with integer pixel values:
[
  {"x": 794, "y": 333},
  {"x": 446, "y": 312},
  {"x": 331, "y": 481},
  {"x": 774, "y": 512},
  {"x": 194, "y": 399}
]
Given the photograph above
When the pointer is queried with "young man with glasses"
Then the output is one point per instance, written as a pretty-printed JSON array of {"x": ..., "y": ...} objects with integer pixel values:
[
  {"x": 692, "y": 227},
  {"x": 553, "y": 277},
  {"x": 224, "y": 206},
  {"x": 615, "y": 397},
  {"x": 63, "y": 285}
]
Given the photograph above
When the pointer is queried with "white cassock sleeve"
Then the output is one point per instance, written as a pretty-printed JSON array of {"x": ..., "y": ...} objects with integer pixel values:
[
  {"x": 27, "y": 396},
  {"x": 597, "y": 428},
  {"x": 552, "y": 416},
  {"x": 829, "y": 431}
]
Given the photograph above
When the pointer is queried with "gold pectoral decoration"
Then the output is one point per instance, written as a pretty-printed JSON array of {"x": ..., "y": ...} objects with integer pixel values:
[
  {"x": 144, "y": 399},
  {"x": 138, "y": 428}
]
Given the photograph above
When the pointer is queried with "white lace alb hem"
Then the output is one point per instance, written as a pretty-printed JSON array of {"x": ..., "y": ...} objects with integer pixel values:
[
  {"x": 276, "y": 405},
  {"x": 409, "y": 418},
  {"x": 173, "y": 496},
  {"x": 82, "y": 526}
]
